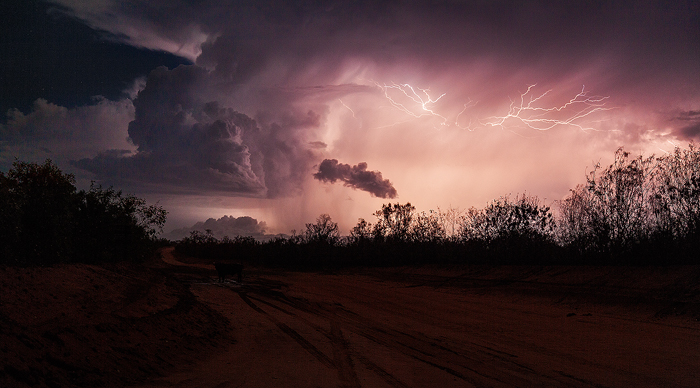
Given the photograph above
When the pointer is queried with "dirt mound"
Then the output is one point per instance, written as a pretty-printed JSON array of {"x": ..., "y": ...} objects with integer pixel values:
[{"x": 110, "y": 325}]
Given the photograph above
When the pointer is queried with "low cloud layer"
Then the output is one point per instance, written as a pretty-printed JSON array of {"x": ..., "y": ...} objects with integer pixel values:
[
  {"x": 691, "y": 129},
  {"x": 62, "y": 134},
  {"x": 356, "y": 177},
  {"x": 224, "y": 226}
]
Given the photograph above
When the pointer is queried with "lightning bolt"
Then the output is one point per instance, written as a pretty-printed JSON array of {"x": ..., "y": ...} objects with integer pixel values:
[
  {"x": 542, "y": 119},
  {"x": 352, "y": 111},
  {"x": 469, "y": 126},
  {"x": 422, "y": 99},
  {"x": 417, "y": 102}
]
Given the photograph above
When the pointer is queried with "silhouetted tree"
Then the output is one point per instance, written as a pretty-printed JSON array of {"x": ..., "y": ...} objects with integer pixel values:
[
  {"x": 450, "y": 220},
  {"x": 426, "y": 228},
  {"x": 324, "y": 231},
  {"x": 525, "y": 216},
  {"x": 393, "y": 222},
  {"x": 676, "y": 203},
  {"x": 112, "y": 226},
  {"x": 37, "y": 213},
  {"x": 511, "y": 230},
  {"x": 611, "y": 213},
  {"x": 576, "y": 228},
  {"x": 45, "y": 220},
  {"x": 362, "y": 232}
]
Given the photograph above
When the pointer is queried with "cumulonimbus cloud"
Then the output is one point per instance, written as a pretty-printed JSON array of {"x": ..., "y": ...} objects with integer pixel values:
[
  {"x": 357, "y": 177},
  {"x": 188, "y": 141},
  {"x": 253, "y": 115}
]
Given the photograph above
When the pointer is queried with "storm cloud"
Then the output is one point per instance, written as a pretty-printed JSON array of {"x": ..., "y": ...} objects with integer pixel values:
[
  {"x": 428, "y": 93},
  {"x": 63, "y": 134},
  {"x": 692, "y": 128},
  {"x": 356, "y": 177},
  {"x": 187, "y": 143},
  {"x": 239, "y": 39}
]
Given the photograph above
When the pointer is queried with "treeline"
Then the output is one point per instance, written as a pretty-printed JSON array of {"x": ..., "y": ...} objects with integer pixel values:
[
  {"x": 45, "y": 220},
  {"x": 639, "y": 210}
]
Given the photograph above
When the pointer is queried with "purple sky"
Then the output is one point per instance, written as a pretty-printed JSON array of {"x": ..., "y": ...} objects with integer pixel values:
[{"x": 283, "y": 112}]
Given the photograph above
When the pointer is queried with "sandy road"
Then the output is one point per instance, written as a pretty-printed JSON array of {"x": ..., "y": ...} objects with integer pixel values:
[{"x": 321, "y": 330}]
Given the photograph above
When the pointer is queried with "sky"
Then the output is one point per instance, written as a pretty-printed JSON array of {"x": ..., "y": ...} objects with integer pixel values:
[{"x": 264, "y": 115}]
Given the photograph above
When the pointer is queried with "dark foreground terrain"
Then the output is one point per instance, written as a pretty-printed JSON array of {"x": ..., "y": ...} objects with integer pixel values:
[
  {"x": 92, "y": 326},
  {"x": 171, "y": 324}
]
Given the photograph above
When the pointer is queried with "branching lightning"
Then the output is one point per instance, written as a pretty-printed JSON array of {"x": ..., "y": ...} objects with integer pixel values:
[
  {"x": 422, "y": 99},
  {"x": 469, "y": 126},
  {"x": 417, "y": 102},
  {"x": 543, "y": 119}
]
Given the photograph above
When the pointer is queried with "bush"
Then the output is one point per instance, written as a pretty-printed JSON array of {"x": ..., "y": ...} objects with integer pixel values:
[
  {"x": 520, "y": 230},
  {"x": 636, "y": 211},
  {"x": 45, "y": 220},
  {"x": 111, "y": 226}
]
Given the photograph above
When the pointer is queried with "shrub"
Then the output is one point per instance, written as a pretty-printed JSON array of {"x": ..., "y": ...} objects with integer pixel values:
[
  {"x": 511, "y": 230},
  {"x": 45, "y": 220}
]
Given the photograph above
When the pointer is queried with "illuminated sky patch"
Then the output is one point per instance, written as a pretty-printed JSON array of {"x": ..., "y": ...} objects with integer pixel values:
[{"x": 285, "y": 110}]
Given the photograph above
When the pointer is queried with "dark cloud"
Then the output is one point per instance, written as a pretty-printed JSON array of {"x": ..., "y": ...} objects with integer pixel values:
[
  {"x": 691, "y": 131},
  {"x": 689, "y": 115},
  {"x": 245, "y": 37},
  {"x": 281, "y": 149},
  {"x": 691, "y": 128},
  {"x": 63, "y": 134},
  {"x": 49, "y": 122},
  {"x": 356, "y": 177},
  {"x": 182, "y": 141},
  {"x": 185, "y": 142},
  {"x": 47, "y": 54},
  {"x": 224, "y": 226}
]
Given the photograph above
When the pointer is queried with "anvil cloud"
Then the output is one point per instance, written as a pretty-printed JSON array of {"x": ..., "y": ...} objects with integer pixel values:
[{"x": 278, "y": 90}]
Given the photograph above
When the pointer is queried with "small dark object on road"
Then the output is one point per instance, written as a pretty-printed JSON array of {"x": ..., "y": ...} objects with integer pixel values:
[{"x": 228, "y": 269}]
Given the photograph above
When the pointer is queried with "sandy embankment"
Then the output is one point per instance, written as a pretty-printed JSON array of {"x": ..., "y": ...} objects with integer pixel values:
[{"x": 90, "y": 326}]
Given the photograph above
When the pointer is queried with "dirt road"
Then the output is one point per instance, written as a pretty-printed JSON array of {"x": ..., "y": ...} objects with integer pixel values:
[{"x": 353, "y": 330}]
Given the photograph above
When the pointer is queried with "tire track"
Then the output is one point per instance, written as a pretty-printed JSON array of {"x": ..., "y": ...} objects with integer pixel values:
[
  {"x": 308, "y": 346},
  {"x": 466, "y": 362},
  {"x": 426, "y": 350},
  {"x": 342, "y": 358},
  {"x": 384, "y": 375},
  {"x": 375, "y": 334},
  {"x": 342, "y": 354}
]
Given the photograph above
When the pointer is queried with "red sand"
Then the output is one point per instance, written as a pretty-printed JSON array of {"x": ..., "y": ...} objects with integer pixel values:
[{"x": 399, "y": 327}]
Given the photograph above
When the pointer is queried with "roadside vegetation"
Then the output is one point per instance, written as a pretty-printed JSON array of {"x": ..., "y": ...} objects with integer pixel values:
[
  {"x": 636, "y": 211},
  {"x": 45, "y": 220}
]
